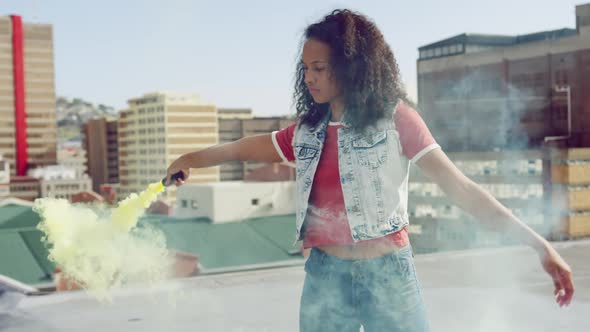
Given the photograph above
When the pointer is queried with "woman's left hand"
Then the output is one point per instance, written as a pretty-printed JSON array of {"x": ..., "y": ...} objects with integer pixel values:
[{"x": 561, "y": 273}]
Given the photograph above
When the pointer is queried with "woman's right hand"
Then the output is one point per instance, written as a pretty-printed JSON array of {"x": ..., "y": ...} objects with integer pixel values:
[{"x": 179, "y": 165}]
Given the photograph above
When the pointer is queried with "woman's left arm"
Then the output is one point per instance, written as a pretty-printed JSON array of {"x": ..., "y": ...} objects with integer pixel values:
[{"x": 478, "y": 202}]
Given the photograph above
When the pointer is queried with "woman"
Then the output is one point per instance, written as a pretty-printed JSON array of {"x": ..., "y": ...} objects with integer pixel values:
[{"x": 355, "y": 139}]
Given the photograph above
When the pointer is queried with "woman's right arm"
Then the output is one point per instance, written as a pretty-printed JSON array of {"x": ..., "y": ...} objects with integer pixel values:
[{"x": 251, "y": 148}]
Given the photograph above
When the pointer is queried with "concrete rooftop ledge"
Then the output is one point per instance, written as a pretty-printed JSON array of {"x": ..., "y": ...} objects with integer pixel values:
[{"x": 477, "y": 290}]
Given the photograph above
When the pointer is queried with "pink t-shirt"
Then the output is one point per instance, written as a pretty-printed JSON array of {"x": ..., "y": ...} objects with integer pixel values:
[{"x": 326, "y": 222}]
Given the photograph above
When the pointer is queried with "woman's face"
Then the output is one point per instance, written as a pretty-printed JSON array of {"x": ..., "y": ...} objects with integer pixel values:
[{"x": 319, "y": 77}]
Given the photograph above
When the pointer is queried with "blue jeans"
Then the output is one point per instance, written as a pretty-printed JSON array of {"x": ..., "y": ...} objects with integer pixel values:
[{"x": 381, "y": 294}]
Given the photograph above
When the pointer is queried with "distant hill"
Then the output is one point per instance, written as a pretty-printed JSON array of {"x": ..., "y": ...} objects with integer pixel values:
[
  {"x": 77, "y": 111},
  {"x": 73, "y": 113}
]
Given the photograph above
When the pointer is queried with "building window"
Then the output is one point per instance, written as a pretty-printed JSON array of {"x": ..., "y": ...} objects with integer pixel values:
[
  {"x": 561, "y": 77},
  {"x": 184, "y": 203},
  {"x": 255, "y": 201},
  {"x": 194, "y": 204}
]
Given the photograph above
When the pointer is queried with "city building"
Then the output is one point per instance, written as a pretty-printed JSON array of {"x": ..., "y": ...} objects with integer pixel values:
[
  {"x": 24, "y": 187},
  {"x": 73, "y": 158},
  {"x": 483, "y": 92},
  {"x": 28, "y": 134},
  {"x": 155, "y": 130},
  {"x": 64, "y": 188},
  {"x": 234, "y": 113},
  {"x": 60, "y": 181},
  {"x": 4, "y": 178},
  {"x": 102, "y": 148},
  {"x": 272, "y": 172},
  {"x": 247, "y": 199},
  {"x": 232, "y": 129},
  {"x": 109, "y": 192}
]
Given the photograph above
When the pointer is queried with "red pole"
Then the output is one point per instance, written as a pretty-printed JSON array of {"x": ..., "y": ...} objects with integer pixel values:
[{"x": 20, "y": 115}]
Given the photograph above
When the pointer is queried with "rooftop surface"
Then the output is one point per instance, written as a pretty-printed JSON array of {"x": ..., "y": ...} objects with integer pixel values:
[
  {"x": 23, "y": 256},
  {"x": 476, "y": 290}
]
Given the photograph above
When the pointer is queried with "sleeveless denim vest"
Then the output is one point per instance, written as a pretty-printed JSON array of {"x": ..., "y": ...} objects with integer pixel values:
[{"x": 373, "y": 174}]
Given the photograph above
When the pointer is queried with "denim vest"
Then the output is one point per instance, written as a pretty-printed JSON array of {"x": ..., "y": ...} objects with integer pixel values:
[{"x": 373, "y": 174}]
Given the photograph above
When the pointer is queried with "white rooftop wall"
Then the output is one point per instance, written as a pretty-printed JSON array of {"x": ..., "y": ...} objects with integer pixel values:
[{"x": 235, "y": 201}]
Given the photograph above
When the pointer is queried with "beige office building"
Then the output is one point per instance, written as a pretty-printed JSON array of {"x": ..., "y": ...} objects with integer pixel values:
[
  {"x": 28, "y": 133},
  {"x": 232, "y": 129},
  {"x": 156, "y": 129}
]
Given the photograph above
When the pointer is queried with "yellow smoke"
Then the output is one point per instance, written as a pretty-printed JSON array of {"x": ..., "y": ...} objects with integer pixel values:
[
  {"x": 101, "y": 249},
  {"x": 132, "y": 207}
]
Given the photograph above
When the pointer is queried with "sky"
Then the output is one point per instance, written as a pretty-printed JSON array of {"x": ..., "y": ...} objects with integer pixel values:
[{"x": 243, "y": 53}]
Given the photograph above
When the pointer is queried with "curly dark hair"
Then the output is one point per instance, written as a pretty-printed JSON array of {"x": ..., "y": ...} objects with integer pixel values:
[{"x": 363, "y": 65}]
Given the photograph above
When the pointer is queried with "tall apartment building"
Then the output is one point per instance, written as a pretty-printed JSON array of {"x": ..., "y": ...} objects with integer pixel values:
[
  {"x": 479, "y": 92},
  {"x": 156, "y": 129},
  {"x": 102, "y": 150},
  {"x": 28, "y": 134},
  {"x": 232, "y": 129}
]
